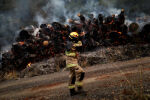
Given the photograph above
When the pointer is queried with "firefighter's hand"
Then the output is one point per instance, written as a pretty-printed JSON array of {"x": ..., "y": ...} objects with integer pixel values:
[
  {"x": 64, "y": 69},
  {"x": 82, "y": 34}
]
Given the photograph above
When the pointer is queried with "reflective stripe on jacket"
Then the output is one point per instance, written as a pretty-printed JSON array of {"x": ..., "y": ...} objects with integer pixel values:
[
  {"x": 70, "y": 54},
  {"x": 71, "y": 65},
  {"x": 71, "y": 59}
]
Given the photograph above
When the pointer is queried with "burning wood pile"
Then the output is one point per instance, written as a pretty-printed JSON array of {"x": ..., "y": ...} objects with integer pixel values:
[{"x": 50, "y": 40}]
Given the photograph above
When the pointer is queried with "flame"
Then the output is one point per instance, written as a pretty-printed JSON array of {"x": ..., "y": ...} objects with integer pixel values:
[
  {"x": 111, "y": 22},
  {"x": 29, "y": 64},
  {"x": 21, "y": 43},
  {"x": 120, "y": 33}
]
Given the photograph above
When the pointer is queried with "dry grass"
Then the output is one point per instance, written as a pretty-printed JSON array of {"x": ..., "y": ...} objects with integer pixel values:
[
  {"x": 135, "y": 90},
  {"x": 10, "y": 75}
]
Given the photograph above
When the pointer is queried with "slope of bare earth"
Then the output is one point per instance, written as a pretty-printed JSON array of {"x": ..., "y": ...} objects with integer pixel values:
[{"x": 102, "y": 81}]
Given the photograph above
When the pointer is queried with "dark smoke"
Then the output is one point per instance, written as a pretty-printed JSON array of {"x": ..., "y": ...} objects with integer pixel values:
[{"x": 15, "y": 14}]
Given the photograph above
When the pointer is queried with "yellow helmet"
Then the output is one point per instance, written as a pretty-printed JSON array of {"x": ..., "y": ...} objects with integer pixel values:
[{"x": 73, "y": 35}]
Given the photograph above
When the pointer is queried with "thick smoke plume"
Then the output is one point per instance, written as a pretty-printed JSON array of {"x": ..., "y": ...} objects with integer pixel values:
[{"x": 15, "y": 14}]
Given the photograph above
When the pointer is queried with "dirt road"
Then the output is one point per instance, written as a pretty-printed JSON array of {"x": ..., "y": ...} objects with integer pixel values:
[{"x": 107, "y": 81}]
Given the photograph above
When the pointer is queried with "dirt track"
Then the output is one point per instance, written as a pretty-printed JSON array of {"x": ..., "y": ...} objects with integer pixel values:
[{"x": 107, "y": 81}]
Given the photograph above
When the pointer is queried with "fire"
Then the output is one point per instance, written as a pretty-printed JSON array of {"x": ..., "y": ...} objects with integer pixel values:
[
  {"x": 29, "y": 64},
  {"x": 120, "y": 33},
  {"x": 21, "y": 43}
]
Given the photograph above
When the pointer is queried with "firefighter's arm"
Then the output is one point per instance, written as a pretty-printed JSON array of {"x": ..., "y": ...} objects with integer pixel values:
[
  {"x": 79, "y": 44},
  {"x": 70, "y": 54},
  {"x": 82, "y": 34}
]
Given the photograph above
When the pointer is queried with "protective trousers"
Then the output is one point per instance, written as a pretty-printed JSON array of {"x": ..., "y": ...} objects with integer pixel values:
[
  {"x": 76, "y": 77},
  {"x": 76, "y": 72}
]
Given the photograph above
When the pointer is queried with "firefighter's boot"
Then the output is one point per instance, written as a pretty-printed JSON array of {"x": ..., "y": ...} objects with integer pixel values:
[
  {"x": 73, "y": 92},
  {"x": 81, "y": 90}
]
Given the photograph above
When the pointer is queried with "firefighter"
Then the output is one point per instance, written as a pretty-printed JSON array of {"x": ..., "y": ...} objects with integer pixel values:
[{"x": 76, "y": 72}]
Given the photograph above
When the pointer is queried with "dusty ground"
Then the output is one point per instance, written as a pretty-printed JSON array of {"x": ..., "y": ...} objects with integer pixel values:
[{"x": 104, "y": 81}]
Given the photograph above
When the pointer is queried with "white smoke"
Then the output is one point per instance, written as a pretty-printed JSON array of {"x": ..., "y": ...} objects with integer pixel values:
[
  {"x": 60, "y": 10},
  {"x": 54, "y": 10},
  {"x": 39, "y": 19},
  {"x": 26, "y": 12}
]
